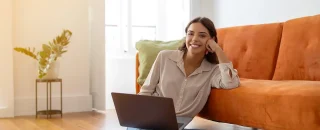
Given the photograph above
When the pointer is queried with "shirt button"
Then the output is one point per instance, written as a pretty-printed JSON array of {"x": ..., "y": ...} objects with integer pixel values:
[{"x": 185, "y": 79}]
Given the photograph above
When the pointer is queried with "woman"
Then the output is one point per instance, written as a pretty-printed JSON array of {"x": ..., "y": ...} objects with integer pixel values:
[{"x": 187, "y": 75}]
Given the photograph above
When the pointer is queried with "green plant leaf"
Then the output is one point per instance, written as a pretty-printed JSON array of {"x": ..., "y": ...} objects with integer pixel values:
[
  {"x": 46, "y": 48},
  {"x": 51, "y": 44},
  {"x": 43, "y": 62},
  {"x": 50, "y": 51},
  {"x": 54, "y": 41},
  {"x": 26, "y": 52},
  {"x": 43, "y": 54}
]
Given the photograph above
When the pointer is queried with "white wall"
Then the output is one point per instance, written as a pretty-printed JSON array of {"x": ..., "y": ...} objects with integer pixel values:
[
  {"x": 97, "y": 51},
  {"x": 120, "y": 77},
  {"x": 6, "y": 66},
  {"x": 243, "y": 12},
  {"x": 39, "y": 21},
  {"x": 201, "y": 8}
]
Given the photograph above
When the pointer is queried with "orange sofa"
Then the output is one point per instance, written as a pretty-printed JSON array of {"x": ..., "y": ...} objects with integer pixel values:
[{"x": 279, "y": 67}]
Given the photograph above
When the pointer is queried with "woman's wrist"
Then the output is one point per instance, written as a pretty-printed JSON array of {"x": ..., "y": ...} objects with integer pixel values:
[{"x": 221, "y": 56}]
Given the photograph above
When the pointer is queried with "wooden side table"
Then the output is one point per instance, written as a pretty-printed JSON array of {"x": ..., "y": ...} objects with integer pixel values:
[{"x": 49, "y": 111}]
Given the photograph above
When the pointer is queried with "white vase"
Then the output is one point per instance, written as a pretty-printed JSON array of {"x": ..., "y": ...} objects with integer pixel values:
[{"x": 53, "y": 71}]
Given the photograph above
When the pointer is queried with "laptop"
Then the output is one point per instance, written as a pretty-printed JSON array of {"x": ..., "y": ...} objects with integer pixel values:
[{"x": 140, "y": 112}]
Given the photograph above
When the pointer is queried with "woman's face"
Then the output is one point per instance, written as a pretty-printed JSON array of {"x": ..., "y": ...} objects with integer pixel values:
[{"x": 196, "y": 39}]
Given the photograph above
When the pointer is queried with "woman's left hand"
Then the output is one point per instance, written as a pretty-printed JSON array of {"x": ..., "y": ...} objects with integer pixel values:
[{"x": 212, "y": 46}]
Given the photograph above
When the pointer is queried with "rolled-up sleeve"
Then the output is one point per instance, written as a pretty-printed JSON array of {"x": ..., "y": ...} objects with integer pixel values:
[
  {"x": 222, "y": 78},
  {"x": 149, "y": 86}
]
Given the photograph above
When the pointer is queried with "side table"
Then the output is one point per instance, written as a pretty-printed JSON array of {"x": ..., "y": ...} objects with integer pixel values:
[{"x": 49, "y": 111}]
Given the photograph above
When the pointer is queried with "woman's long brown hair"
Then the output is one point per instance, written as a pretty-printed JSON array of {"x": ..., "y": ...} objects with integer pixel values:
[{"x": 211, "y": 57}]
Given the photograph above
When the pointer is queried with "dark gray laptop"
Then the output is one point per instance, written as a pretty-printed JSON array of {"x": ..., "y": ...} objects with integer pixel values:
[{"x": 138, "y": 112}]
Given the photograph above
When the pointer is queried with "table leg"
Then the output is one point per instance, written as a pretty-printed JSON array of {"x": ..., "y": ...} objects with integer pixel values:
[
  {"x": 47, "y": 101},
  {"x": 36, "y": 99},
  {"x": 50, "y": 100},
  {"x": 61, "y": 96}
]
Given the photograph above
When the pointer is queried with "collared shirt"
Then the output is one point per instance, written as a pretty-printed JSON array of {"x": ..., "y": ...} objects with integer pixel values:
[{"x": 167, "y": 78}]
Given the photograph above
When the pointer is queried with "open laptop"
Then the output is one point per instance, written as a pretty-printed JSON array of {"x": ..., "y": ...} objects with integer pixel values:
[{"x": 139, "y": 112}]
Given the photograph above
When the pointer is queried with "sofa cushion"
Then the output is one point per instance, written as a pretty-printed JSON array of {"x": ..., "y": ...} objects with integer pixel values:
[
  {"x": 252, "y": 49},
  {"x": 148, "y": 51},
  {"x": 276, "y": 105},
  {"x": 299, "y": 55}
]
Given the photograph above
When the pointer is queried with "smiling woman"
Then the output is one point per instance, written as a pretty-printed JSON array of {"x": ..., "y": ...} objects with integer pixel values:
[
  {"x": 204, "y": 24},
  {"x": 186, "y": 75}
]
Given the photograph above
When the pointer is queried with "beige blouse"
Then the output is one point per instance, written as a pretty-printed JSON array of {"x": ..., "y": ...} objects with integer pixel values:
[{"x": 167, "y": 78}]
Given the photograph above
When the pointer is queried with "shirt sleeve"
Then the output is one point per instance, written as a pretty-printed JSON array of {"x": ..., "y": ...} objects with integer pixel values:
[
  {"x": 149, "y": 86},
  {"x": 222, "y": 79}
]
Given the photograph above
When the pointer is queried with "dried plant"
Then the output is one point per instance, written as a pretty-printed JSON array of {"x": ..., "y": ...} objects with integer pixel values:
[{"x": 50, "y": 52}]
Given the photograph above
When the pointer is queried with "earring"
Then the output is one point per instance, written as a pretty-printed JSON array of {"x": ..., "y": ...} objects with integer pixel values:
[{"x": 206, "y": 52}]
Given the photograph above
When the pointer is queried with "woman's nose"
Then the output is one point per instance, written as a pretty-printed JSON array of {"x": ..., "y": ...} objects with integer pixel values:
[{"x": 195, "y": 38}]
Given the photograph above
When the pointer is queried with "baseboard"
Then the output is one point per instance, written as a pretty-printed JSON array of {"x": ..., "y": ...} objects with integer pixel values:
[
  {"x": 99, "y": 111},
  {"x": 26, "y": 106},
  {"x": 4, "y": 113}
]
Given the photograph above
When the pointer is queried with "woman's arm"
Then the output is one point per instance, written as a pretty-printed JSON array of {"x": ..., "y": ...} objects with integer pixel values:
[
  {"x": 226, "y": 76},
  {"x": 149, "y": 85},
  {"x": 222, "y": 77}
]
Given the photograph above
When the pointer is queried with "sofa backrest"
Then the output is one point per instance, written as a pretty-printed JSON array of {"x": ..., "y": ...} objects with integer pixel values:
[
  {"x": 253, "y": 49},
  {"x": 299, "y": 54},
  {"x": 278, "y": 51}
]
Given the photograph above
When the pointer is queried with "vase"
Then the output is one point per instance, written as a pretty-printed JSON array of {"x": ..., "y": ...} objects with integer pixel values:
[{"x": 53, "y": 71}]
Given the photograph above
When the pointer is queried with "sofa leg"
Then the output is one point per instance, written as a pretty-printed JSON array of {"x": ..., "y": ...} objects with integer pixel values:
[{"x": 254, "y": 128}]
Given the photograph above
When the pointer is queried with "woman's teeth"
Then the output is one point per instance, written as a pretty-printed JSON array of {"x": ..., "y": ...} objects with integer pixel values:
[{"x": 195, "y": 46}]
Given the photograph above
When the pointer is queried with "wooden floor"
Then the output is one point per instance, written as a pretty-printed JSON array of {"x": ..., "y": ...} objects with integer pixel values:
[{"x": 93, "y": 121}]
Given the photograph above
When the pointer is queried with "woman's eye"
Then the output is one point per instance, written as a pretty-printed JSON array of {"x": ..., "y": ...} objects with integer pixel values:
[
  {"x": 190, "y": 34},
  {"x": 202, "y": 36}
]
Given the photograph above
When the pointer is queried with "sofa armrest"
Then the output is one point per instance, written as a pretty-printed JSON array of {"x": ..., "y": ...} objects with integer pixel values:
[{"x": 137, "y": 72}]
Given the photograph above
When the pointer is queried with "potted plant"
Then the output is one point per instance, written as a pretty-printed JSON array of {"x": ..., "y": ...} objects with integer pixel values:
[{"x": 48, "y": 56}]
